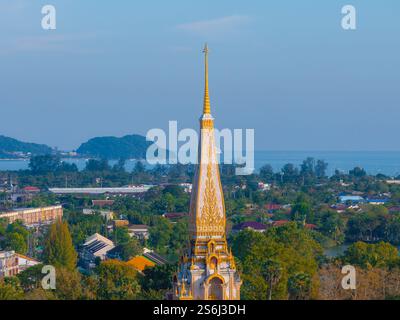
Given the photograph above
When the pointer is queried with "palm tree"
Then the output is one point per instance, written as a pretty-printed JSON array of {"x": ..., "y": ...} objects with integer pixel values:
[{"x": 272, "y": 272}]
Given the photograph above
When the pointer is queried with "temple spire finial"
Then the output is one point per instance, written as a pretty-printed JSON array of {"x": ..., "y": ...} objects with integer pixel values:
[{"x": 206, "y": 106}]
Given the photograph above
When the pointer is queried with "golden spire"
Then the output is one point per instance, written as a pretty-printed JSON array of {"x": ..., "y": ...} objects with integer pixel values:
[{"x": 206, "y": 107}]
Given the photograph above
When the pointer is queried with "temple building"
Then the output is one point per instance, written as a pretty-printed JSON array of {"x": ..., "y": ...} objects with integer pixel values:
[{"x": 207, "y": 271}]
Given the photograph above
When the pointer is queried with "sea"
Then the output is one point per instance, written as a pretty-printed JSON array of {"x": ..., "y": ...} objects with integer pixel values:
[{"x": 374, "y": 162}]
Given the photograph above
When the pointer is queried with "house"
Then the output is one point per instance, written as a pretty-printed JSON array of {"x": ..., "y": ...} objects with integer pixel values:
[
  {"x": 339, "y": 208},
  {"x": 264, "y": 186},
  {"x": 102, "y": 203},
  {"x": 30, "y": 189},
  {"x": 175, "y": 216},
  {"x": 279, "y": 223},
  {"x": 271, "y": 207},
  {"x": 140, "y": 263},
  {"x": 148, "y": 259},
  {"x": 12, "y": 263},
  {"x": 140, "y": 231},
  {"x": 155, "y": 257},
  {"x": 377, "y": 201},
  {"x": 8, "y": 264},
  {"x": 187, "y": 187},
  {"x": 107, "y": 214},
  {"x": 95, "y": 247},
  {"x": 25, "y": 262},
  {"x": 351, "y": 199},
  {"x": 249, "y": 225},
  {"x": 120, "y": 223}
]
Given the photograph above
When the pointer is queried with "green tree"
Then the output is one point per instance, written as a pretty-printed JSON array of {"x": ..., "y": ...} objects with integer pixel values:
[
  {"x": 379, "y": 255},
  {"x": 16, "y": 242},
  {"x": 44, "y": 163},
  {"x": 117, "y": 280},
  {"x": 68, "y": 285},
  {"x": 292, "y": 250},
  {"x": 16, "y": 237},
  {"x": 97, "y": 165},
  {"x": 267, "y": 173},
  {"x": 10, "y": 289},
  {"x": 59, "y": 250},
  {"x": 300, "y": 286}
]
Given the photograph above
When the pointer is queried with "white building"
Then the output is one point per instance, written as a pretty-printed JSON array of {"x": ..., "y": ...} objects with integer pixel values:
[
  {"x": 12, "y": 263},
  {"x": 140, "y": 231},
  {"x": 121, "y": 190},
  {"x": 96, "y": 246}
]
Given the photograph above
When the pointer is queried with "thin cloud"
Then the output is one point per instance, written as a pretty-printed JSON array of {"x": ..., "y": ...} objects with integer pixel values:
[{"x": 212, "y": 26}]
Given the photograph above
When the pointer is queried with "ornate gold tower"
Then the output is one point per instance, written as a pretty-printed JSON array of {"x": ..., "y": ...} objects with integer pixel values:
[{"x": 207, "y": 271}]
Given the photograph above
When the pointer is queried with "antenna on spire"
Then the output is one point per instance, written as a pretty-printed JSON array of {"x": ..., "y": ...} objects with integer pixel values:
[
  {"x": 206, "y": 107},
  {"x": 205, "y": 50}
]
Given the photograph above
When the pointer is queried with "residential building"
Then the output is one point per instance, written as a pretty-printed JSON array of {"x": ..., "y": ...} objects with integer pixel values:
[
  {"x": 249, "y": 225},
  {"x": 34, "y": 216},
  {"x": 102, "y": 203},
  {"x": 377, "y": 201},
  {"x": 174, "y": 216},
  {"x": 140, "y": 231},
  {"x": 8, "y": 264},
  {"x": 12, "y": 263},
  {"x": 107, "y": 214},
  {"x": 187, "y": 187}
]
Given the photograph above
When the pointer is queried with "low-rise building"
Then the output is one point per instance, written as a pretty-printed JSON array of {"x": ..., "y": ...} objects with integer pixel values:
[
  {"x": 377, "y": 201},
  {"x": 118, "y": 223},
  {"x": 12, "y": 263},
  {"x": 107, "y": 214},
  {"x": 25, "y": 262},
  {"x": 95, "y": 246},
  {"x": 102, "y": 203},
  {"x": 140, "y": 231},
  {"x": 8, "y": 264},
  {"x": 187, "y": 187},
  {"x": 351, "y": 199},
  {"x": 175, "y": 216},
  {"x": 249, "y": 225},
  {"x": 117, "y": 191},
  {"x": 34, "y": 216},
  {"x": 140, "y": 263}
]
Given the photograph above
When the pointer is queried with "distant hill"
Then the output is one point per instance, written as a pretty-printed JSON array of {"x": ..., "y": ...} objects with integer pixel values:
[
  {"x": 128, "y": 147},
  {"x": 13, "y": 148}
]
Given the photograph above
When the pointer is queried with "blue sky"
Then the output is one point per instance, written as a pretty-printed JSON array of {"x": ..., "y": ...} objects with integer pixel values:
[{"x": 285, "y": 68}]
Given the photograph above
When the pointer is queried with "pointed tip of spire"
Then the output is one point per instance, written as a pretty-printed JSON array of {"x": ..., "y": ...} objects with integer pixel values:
[{"x": 206, "y": 107}]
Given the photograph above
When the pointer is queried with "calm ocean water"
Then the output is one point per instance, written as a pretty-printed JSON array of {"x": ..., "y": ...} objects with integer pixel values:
[{"x": 386, "y": 162}]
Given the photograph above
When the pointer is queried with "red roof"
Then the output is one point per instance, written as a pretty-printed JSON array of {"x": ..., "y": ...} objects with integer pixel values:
[
  {"x": 279, "y": 223},
  {"x": 31, "y": 189},
  {"x": 174, "y": 215},
  {"x": 272, "y": 206},
  {"x": 310, "y": 226},
  {"x": 102, "y": 203}
]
